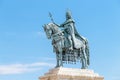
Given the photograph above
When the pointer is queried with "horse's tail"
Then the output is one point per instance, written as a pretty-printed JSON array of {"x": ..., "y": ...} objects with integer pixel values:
[{"x": 87, "y": 51}]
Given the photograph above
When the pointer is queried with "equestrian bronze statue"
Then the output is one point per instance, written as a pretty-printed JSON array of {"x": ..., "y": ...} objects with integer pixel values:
[{"x": 68, "y": 44}]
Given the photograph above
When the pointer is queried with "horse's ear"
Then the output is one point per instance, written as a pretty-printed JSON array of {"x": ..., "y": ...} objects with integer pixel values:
[{"x": 44, "y": 27}]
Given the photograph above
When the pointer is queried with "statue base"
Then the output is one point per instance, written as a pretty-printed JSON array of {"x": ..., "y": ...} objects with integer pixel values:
[{"x": 71, "y": 74}]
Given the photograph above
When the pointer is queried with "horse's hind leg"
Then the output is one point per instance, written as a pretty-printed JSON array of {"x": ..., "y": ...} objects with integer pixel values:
[
  {"x": 83, "y": 67},
  {"x": 84, "y": 59}
]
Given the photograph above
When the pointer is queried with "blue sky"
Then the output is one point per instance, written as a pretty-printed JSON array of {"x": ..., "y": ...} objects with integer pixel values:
[{"x": 25, "y": 51}]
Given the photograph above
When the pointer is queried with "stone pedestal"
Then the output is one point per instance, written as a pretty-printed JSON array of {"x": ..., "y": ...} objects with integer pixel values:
[{"x": 71, "y": 74}]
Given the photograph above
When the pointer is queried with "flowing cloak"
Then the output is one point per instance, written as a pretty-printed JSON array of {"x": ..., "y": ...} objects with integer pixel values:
[{"x": 78, "y": 36}]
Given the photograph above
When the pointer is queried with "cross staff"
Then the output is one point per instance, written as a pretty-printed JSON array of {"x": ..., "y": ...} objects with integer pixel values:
[{"x": 51, "y": 17}]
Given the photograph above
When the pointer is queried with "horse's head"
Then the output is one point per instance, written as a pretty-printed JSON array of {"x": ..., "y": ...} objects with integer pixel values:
[
  {"x": 51, "y": 29},
  {"x": 48, "y": 30}
]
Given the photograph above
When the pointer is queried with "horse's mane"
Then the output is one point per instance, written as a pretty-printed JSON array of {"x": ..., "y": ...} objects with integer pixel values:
[
  {"x": 54, "y": 27},
  {"x": 50, "y": 23},
  {"x": 54, "y": 24}
]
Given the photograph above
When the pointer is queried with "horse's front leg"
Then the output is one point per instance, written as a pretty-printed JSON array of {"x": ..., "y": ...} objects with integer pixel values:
[
  {"x": 61, "y": 62},
  {"x": 59, "y": 55},
  {"x": 57, "y": 58}
]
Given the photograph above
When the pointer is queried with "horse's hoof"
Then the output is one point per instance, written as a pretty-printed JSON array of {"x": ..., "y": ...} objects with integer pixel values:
[
  {"x": 83, "y": 67},
  {"x": 56, "y": 66}
]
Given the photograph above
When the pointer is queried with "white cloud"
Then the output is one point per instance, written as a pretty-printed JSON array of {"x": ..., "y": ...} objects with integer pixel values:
[
  {"x": 47, "y": 58},
  {"x": 22, "y": 68}
]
